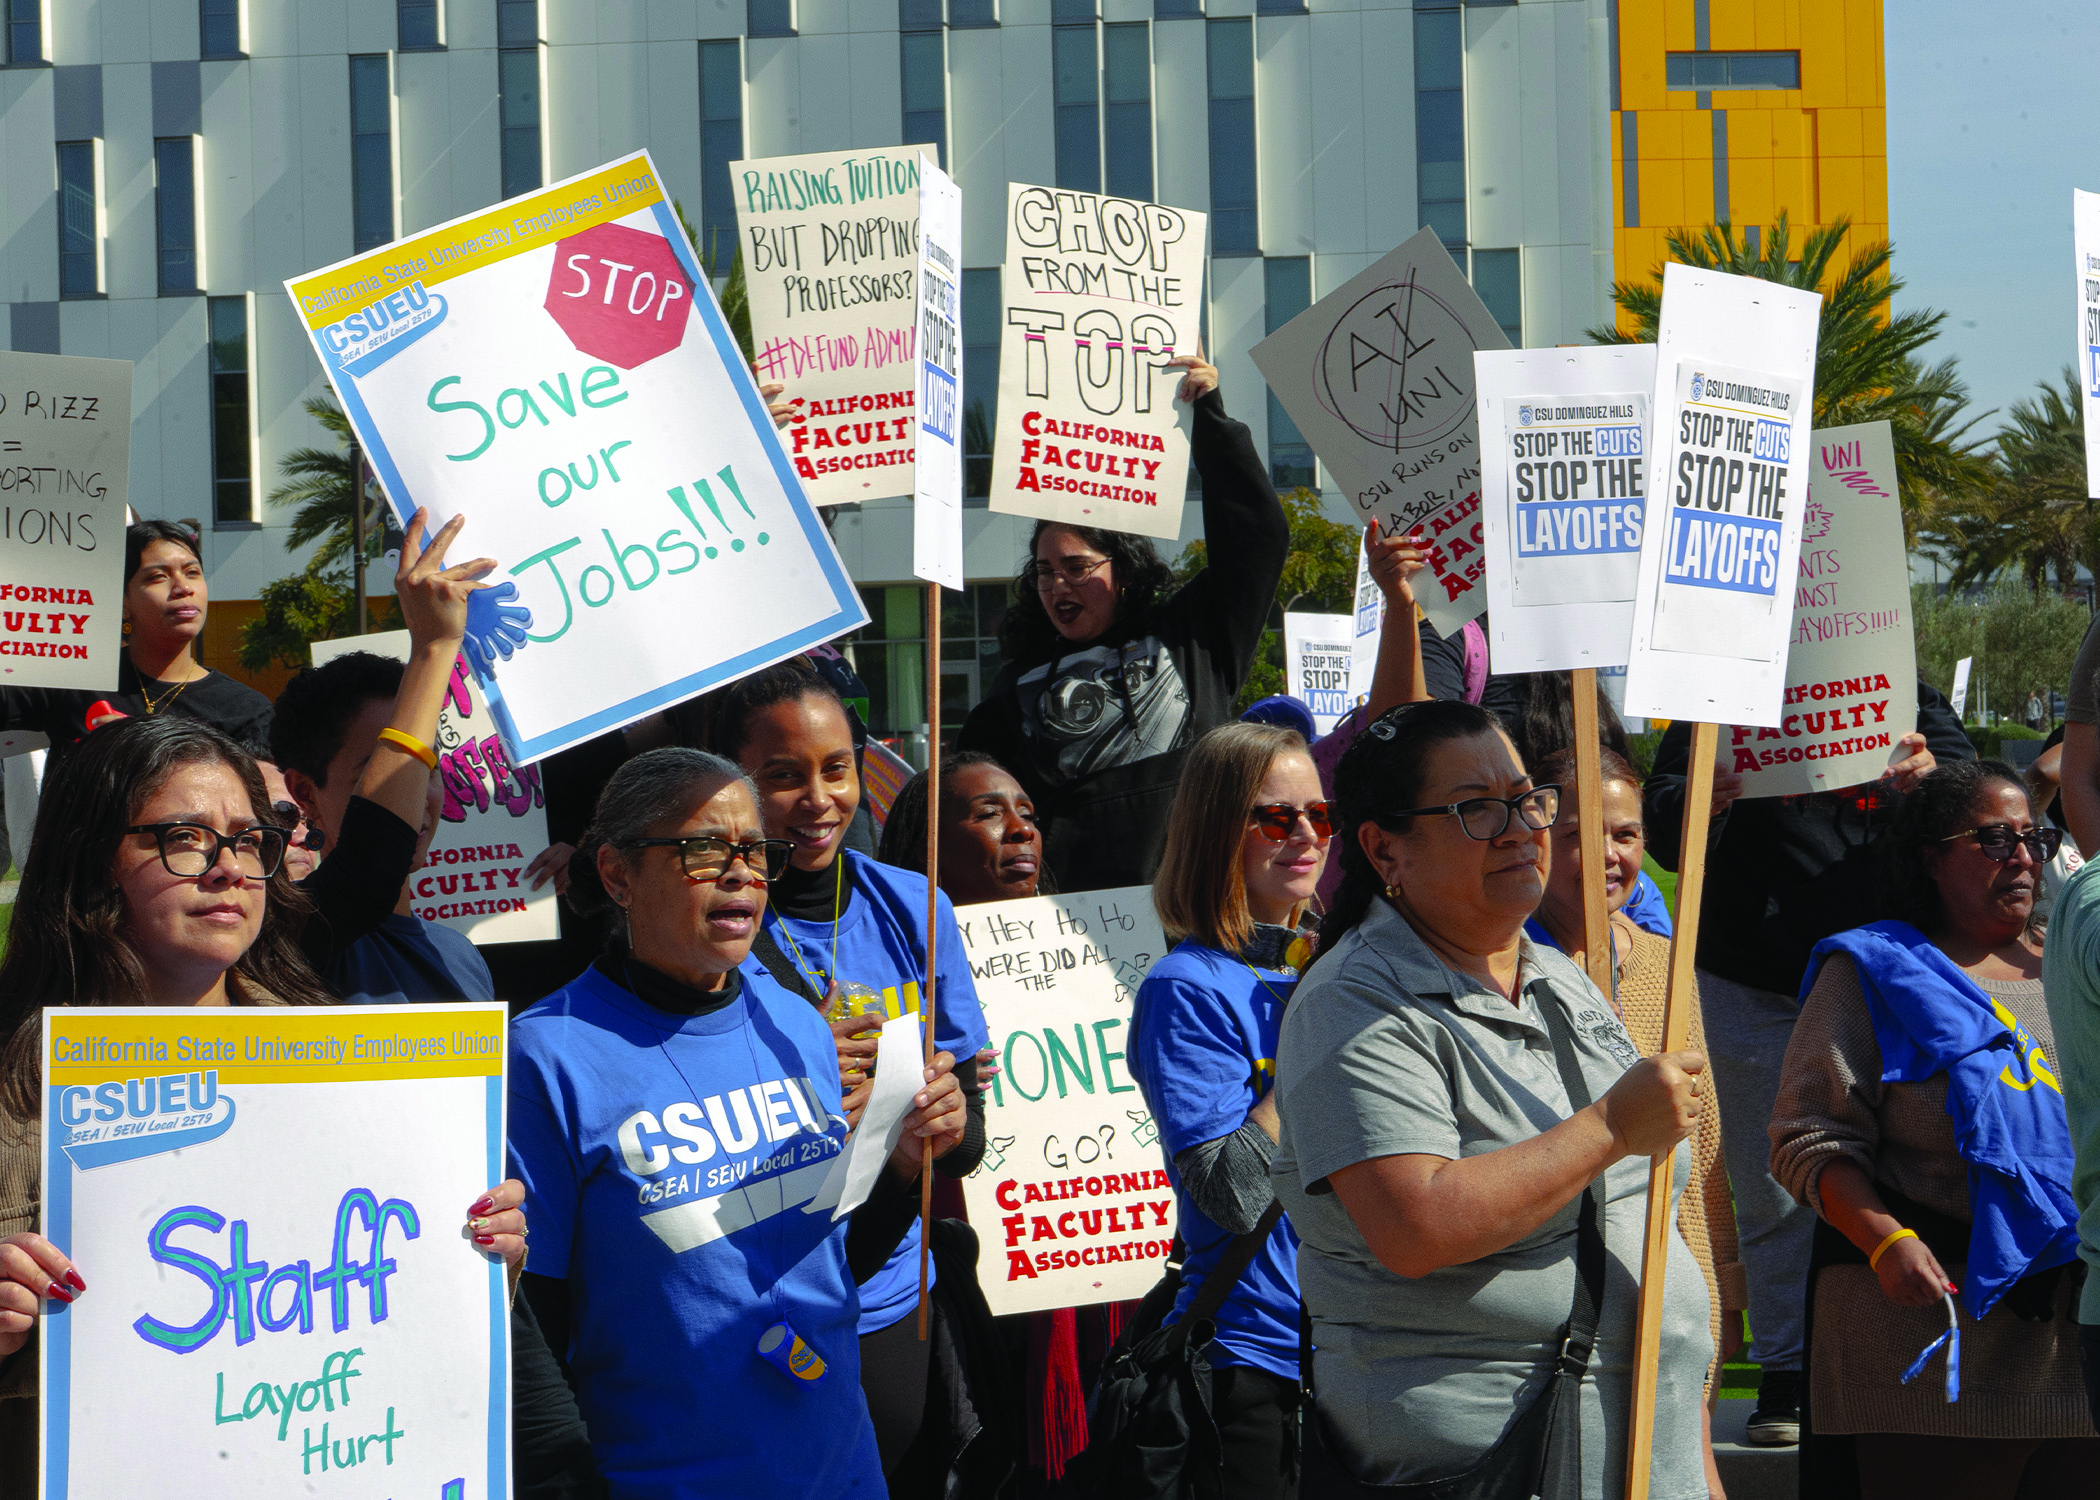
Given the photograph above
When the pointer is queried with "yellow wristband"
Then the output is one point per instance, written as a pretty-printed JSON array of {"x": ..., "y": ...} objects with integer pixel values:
[
  {"x": 411, "y": 745},
  {"x": 1874, "y": 1260}
]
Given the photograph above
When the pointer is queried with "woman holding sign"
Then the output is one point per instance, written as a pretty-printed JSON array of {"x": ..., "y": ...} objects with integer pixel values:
[{"x": 1105, "y": 688}]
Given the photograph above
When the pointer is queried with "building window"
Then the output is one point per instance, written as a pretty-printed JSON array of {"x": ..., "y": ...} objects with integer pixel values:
[
  {"x": 371, "y": 151},
  {"x": 982, "y": 314},
  {"x": 1234, "y": 223},
  {"x": 1078, "y": 82},
  {"x": 924, "y": 59},
  {"x": 232, "y": 467},
  {"x": 1126, "y": 67},
  {"x": 890, "y": 656},
  {"x": 919, "y": 15},
  {"x": 1287, "y": 292},
  {"x": 518, "y": 80},
  {"x": 769, "y": 17},
  {"x": 721, "y": 142},
  {"x": 968, "y": 13},
  {"x": 1498, "y": 280},
  {"x": 79, "y": 221},
  {"x": 25, "y": 31},
  {"x": 1074, "y": 12},
  {"x": 1440, "y": 125},
  {"x": 1732, "y": 70},
  {"x": 1280, "y": 7},
  {"x": 517, "y": 23},
  {"x": 219, "y": 28},
  {"x": 416, "y": 25},
  {"x": 175, "y": 212},
  {"x": 1173, "y": 10}
]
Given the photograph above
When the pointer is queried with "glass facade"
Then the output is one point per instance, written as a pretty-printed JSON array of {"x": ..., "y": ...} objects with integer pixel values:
[
  {"x": 923, "y": 56},
  {"x": 232, "y": 464},
  {"x": 175, "y": 212},
  {"x": 769, "y": 17},
  {"x": 518, "y": 80},
  {"x": 219, "y": 28},
  {"x": 1078, "y": 83},
  {"x": 1126, "y": 72},
  {"x": 721, "y": 142},
  {"x": 890, "y": 655},
  {"x": 1732, "y": 70},
  {"x": 1287, "y": 292},
  {"x": 517, "y": 23},
  {"x": 1440, "y": 124},
  {"x": 25, "y": 31},
  {"x": 416, "y": 25},
  {"x": 1235, "y": 222},
  {"x": 982, "y": 313},
  {"x": 371, "y": 151},
  {"x": 79, "y": 221},
  {"x": 1498, "y": 279}
]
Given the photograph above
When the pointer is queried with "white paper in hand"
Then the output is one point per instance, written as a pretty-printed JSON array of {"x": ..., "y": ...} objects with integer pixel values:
[{"x": 900, "y": 1071}]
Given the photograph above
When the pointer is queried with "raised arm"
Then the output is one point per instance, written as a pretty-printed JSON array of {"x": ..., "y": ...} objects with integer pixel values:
[{"x": 1398, "y": 676}]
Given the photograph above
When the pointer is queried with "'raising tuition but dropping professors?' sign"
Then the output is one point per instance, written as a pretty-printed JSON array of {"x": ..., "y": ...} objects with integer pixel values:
[{"x": 266, "y": 1204}]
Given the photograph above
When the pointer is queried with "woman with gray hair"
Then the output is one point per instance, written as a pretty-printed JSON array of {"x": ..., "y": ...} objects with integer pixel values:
[{"x": 675, "y": 1115}]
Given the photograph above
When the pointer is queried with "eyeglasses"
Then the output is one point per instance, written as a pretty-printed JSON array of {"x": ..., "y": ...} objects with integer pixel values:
[
  {"x": 1072, "y": 570},
  {"x": 1996, "y": 840},
  {"x": 188, "y": 850},
  {"x": 1279, "y": 820},
  {"x": 706, "y": 857},
  {"x": 1486, "y": 818}
]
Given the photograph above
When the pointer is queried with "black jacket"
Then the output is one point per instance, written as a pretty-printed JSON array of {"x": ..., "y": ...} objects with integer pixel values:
[
  {"x": 1783, "y": 873},
  {"x": 1098, "y": 734}
]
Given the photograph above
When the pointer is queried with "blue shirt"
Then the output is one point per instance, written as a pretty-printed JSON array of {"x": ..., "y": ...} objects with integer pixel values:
[
  {"x": 881, "y": 943},
  {"x": 670, "y": 1163},
  {"x": 406, "y": 960},
  {"x": 1645, "y": 908},
  {"x": 1203, "y": 1050}
]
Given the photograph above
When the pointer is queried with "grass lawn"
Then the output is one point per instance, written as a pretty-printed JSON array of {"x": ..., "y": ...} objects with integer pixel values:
[{"x": 1664, "y": 879}]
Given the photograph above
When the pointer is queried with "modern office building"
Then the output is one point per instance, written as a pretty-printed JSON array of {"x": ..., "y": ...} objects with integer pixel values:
[{"x": 168, "y": 163}]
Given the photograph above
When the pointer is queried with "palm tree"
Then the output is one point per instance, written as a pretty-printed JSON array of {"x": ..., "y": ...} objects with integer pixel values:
[
  {"x": 1867, "y": 364},
  {"x": 2033, "y": 514},
  {"x": 320, "y": 483}
]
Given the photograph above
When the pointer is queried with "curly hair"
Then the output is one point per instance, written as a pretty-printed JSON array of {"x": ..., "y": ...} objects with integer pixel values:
[
  {"x": 1026, "y": 632},
  {"x": 1942, "y": 804}
]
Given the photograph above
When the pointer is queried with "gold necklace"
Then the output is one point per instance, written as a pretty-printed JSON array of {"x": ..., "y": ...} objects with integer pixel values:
[{"x": 165, "y": 698}]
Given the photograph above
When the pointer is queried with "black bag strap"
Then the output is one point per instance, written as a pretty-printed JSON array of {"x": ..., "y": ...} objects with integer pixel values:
[
  {"x": 767, "y": 952},
  {"x": 1226, "y": 1274}
]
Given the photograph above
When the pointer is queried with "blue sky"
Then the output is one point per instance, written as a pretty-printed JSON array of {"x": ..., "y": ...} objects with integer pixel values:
[{"x": 1986, "y": 141}]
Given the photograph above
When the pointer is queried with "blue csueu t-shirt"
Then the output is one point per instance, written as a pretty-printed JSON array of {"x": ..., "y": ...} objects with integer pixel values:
[
  {"x": 670, "y": 1163},
  {"x": 1203, "y": 1050},
  {"x": 409, "y": 961},
  {"x": 882, "y": 944}
]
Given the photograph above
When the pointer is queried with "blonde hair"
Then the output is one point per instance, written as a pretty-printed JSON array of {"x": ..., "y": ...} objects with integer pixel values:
[{"x": 1200, "y": 892}]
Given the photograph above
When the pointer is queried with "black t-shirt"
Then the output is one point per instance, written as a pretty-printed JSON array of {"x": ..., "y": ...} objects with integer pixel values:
[{"x": 60, "y": 714}]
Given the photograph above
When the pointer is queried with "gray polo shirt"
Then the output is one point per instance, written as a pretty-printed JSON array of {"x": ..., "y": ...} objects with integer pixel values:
[{"x": 1387, "y": 1052}]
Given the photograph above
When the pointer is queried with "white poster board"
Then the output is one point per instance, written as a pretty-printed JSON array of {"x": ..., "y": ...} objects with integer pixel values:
[
  {"x": 1960, "y": 695},
  {"x": 937, "y": 529},
  {"x": 1319, "y": 653},
  {"x": 266, "y": 1205},
  {"x": 1735, "y": 366},
  {"x": 1563, "y": 493},
  {"x": 1378, "y": 375},
  {"x": 831, "y": 252},
  {"x": 494, "y": 817},
  {"x": 1100, "y": 293},
  {"x": 557, "y": 369},
  {"x": 65, "y": 470},
  {"x": 1369, "y": 625},
  {"x": 1072, "y": 1197},
  {"x": 2085, "y": 242},
  {"x": 1852, "y": 668}
]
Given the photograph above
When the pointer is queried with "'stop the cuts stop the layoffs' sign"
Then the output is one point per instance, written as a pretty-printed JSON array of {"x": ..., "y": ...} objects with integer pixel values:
[{"x": 619, "y": 294}]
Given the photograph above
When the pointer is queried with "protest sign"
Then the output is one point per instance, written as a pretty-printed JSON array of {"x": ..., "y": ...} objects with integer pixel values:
[
  {"x": 1072, "y": 1195},
  {"x": 493, "y": 823},
  {"x": 831, "y": 248},
  {"x": 557, "y": 369},
  {"x": 65, "y": 467},
  {"x": 2085, "y": 242},
  {"x": 1735, "y": 363},
  {"x": 1378, "y": 375},
  {"x": 937, "y": 536},
  {"x": 268, "y": 1203},
  {"x": 1100, "y": 294},
  {"x": 1960, "y": 695},
  {"x": 1563, "y": 494},
  {"x": 1370, "y": 623},
  {"x": 1851, "y": 668},
  {"x": 1318, "y": 654}
]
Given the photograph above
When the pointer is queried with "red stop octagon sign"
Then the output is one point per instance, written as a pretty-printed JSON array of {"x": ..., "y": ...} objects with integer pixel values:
[{"x": 619, "y": 294}]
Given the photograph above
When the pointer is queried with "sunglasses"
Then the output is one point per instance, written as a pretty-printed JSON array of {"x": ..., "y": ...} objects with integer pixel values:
[
  {"x": 1997, "y": 840},
  {"x": 1279, "y": 820},
  {"x": 705, "y": 857}
]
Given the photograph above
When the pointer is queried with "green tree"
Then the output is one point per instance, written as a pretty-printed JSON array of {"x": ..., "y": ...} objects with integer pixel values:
[
  {"x": 1867, "y": 357},
  {"x": 318, "y": 484},
  {"x": 2020, "y": 641},
  {"x": 2032, "y": 517},
  {"x": 736, "y": 298}
]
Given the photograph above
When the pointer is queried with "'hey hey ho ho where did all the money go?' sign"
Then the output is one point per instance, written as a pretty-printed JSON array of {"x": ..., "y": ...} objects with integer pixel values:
[
  {"x": 1072, "y": 1193},
  {"x": 831, "y": 258},
  {"x": 538, "y": 367},
  {"x": 1100, "y": 293}
]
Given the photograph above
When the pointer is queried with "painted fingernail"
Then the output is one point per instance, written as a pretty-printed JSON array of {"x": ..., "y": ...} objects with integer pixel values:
[
  {"x": 478, "y": 1223},
  {"x": 481, "y": 1205},
  {"x": 73, "y": 1280},
  {"x": 484, "y": 1239},
  {"x": 58, "y": 1293}
]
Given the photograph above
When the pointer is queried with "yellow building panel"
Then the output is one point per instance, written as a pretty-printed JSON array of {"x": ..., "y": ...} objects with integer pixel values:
[
  {"x": 1661, "y": 139},
  {"x": 1750, "y": 132},
  {"x": 1662, "y": 192},
  {"x": 1874, "y": 194},
  {"x": 1823, "y": 81},
  {"x": 1863, "y": 52},
  {"x": 1842, "y": 180},
  {"x": 1838, "y": 131},
  {"x": 1752, "y": 197}
]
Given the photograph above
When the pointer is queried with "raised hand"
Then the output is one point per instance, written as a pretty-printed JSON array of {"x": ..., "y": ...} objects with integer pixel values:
[{"x": 495, "y": 626}]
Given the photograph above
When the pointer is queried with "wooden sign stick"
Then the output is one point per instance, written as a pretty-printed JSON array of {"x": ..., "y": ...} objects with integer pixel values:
[
  {"x": 1677, "y": 1022},
  {"x": 1589, "y": 809},
  {"x": 933, "y": 886}
]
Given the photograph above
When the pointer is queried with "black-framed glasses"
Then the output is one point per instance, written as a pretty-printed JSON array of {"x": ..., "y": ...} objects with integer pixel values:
[
  {"x": 1997, "y": 841},
  {"x": 1279, "y": 820},
  {"x": 1073, "y": 570},
  {"x": 1486, "y": 818},
  {"x": 705, "y": 857},
  {"x": 188, "y": 850}
]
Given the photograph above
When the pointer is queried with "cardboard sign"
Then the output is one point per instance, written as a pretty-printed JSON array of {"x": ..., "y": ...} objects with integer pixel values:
[
  {"x": 557, "y": 369},
  {"x": 65, "y": 470},
  {"x": 494, "y": 818},
  {"x": 1318, "y": 653},
  {"x": 267, "y": 1206},
  {"x": 2085, "y": 242},
  {"x": 1072, "y": 1195},
  {"x": 937, "y": 529},
  {"x": 1960, "y": 695},
  {"x": 831, "y": 252},
  {"x": 1378, "y": 375},
  {"x": 1852, "y": 667},
  {"x": 1735, "y": 363},
  {"x": 1369, "y": 625},
  {"x": 1564, "y": 497},
  {"x": 1100, "y": 294}
]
